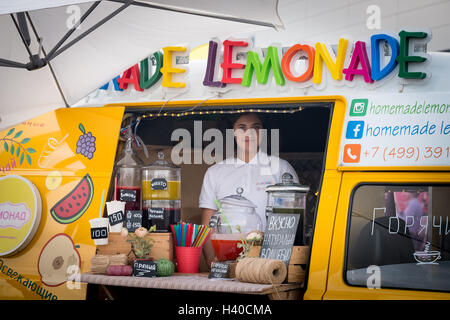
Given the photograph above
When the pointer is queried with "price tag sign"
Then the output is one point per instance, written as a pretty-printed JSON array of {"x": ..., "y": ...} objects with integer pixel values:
[
  {"x": 279, "y": 236},
  {"x": 99, "y": 233},
  {"x": 115, "y": 218},
  {"x": 133, "y": 220}
]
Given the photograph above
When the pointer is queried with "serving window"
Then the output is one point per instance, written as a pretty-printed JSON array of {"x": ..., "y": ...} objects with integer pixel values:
[
  {"x": 399, "y": 237},
  {"x": 296, "y": 132}
]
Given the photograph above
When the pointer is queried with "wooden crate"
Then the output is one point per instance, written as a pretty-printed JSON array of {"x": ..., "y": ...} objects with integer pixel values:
[
  {"x": 162, "y": 245},
  {"x": 297, "y": 264}
]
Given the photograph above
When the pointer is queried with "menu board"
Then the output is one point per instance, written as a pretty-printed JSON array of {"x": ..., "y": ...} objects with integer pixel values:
[
  {"x": 279, "y": 236},
  {"x": 220, "y": 270},
  {"x": 133, "y": 220},
  {"x": 144, "y": 268},
  {"x": 397, "y": 130}
]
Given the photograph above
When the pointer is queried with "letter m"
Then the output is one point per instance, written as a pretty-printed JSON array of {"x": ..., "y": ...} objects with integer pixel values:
[
  {"x": 262, "y": 70},
  {"x": 259, "y": 309}
]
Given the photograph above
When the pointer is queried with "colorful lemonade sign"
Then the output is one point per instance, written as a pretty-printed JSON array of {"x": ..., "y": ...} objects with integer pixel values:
[
  {"x": 20, "y": 213},
  {"x": 318, "y": 55},
  {"x": 259, "y": 66}
]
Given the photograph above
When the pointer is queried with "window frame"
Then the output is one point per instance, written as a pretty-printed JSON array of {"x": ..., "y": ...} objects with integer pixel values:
[{"x": 347, "y": 235}]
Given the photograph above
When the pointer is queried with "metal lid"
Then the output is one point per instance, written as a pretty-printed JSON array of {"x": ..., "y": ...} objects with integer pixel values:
[
  {"x": 238, "y": 200},
  {"x": 287, "y": 185}
]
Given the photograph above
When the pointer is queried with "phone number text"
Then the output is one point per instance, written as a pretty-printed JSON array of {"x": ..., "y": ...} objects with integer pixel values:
[{"x": 414, "y": 153}]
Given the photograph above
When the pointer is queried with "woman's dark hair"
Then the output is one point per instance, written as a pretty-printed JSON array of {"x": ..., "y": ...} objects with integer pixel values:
[{"x": 230, "y": 119}]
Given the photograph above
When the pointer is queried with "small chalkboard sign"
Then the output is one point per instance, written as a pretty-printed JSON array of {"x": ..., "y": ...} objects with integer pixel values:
[
  {"x": 133, "y": 220},
  {"x": 156, "y": 213},
  {"x": 99, "y": 233},
  {"x": 159, "y": 184},
  {"x": 279, "y": 236},
  {"x": 144, "y": 268},
  {"x": 115, "y": 218},
  {"x": 127, "y": 195},
  {"x": 220, "y": 270}
]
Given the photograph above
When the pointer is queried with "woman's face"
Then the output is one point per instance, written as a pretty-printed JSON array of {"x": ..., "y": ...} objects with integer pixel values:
[{"x": 246, "y": 130}]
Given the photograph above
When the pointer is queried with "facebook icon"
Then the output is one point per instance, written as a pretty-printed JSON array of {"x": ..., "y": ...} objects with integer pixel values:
[{"x": 354, "y": 130}]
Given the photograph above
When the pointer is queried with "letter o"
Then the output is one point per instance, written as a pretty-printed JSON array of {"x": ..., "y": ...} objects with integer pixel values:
[{"x": 286, "y": 61}]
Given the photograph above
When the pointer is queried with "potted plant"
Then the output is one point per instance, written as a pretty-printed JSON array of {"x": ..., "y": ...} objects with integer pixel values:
[
  {"x": 143, "y": 265},
  {"x": 253, "y": 238}
]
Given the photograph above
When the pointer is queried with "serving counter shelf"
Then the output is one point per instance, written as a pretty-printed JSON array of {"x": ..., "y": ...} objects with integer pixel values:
[{"x": 198, "y": 282}]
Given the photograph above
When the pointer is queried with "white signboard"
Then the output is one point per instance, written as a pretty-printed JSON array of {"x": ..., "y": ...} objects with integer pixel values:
[{"x": 397, "y": 130}]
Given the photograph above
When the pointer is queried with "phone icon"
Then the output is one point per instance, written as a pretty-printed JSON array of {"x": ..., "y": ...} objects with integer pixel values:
[{"x": 352, "y": 153}]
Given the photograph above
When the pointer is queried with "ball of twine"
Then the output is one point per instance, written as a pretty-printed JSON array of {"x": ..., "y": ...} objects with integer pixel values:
[{"x": 259, "y": 270}]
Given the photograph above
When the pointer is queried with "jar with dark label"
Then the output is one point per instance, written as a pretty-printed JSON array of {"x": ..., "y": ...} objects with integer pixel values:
[
  {"x": 288, "y": 197},
  {"x": 161, "y": 194}
]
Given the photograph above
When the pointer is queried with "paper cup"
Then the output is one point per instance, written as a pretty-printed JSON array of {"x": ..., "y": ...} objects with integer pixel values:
[
  {"x": 99, "y": 230},
  {"x": 116, "y": 215},
  {"x": 188, "y": 259}
]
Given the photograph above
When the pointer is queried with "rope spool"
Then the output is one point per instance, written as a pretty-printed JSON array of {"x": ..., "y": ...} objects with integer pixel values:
[{"x": 259, "y": 270}]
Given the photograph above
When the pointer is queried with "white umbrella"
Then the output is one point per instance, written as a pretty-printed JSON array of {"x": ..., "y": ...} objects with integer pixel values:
[{"x": 69, "y": 60}]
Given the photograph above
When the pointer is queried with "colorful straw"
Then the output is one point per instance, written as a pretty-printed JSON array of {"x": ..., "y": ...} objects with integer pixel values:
[
  {"x": 219, "y": 207},
  {"x": 101, "y": 205},
  {"x": 189, "y": 234}
]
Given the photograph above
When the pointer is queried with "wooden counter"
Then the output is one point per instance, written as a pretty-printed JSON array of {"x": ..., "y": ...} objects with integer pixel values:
[{"x": 198, "y": 282}]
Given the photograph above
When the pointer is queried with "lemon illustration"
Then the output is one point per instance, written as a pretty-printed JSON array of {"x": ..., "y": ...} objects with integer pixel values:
[{"x": 53, "y": 180}]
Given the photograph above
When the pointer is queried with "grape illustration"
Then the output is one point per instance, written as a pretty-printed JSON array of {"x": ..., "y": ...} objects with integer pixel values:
[{"x": 86, "y": 143}]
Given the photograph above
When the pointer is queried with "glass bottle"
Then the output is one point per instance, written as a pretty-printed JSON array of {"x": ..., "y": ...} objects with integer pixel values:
[{"x": 128, "y": 176}]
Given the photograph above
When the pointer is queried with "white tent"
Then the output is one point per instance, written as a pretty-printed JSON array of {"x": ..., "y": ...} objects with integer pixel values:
[{"x": 123, "y": 32}]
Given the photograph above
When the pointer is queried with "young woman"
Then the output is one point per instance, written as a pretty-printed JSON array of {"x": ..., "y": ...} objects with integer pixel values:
[{"x": 251, "y": 169}]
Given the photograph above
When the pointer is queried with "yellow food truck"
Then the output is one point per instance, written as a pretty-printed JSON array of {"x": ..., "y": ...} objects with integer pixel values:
[{"x": 365, "y": 124}]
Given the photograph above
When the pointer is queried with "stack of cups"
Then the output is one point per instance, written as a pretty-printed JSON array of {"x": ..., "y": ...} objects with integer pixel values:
[{"x": 116, "y": 215}]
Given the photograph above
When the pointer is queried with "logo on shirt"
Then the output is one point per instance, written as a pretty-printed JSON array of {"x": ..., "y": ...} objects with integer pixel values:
[{"x": 262, "y": 185}]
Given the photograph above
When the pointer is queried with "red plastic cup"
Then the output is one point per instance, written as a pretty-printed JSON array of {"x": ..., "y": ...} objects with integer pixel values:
[{"x": 188, "y": 259}]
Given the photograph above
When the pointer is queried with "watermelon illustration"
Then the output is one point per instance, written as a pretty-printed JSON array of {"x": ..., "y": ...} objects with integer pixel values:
[{"x": 75, "y": 203}]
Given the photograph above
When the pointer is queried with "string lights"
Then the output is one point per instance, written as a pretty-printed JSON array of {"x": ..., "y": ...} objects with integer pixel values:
[{"x": 221, "y": 111}]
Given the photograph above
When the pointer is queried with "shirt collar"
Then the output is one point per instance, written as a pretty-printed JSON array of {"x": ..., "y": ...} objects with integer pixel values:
[{"x": 261, "y": 158}]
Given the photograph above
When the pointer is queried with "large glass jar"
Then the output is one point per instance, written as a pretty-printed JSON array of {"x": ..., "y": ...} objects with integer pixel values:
[
  {"x": 288, "y": 197},
  {"x": 235, "y": 218},
  {"x": 161, "y": 194}
]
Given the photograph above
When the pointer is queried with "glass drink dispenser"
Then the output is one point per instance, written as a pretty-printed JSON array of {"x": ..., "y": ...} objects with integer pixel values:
[
  {"x": 235, "y": 219},
  {"x": 161, "y": 194},
  {"x": 288, "y": 197},
  {"x": 128, "y": 177}
]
